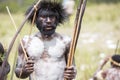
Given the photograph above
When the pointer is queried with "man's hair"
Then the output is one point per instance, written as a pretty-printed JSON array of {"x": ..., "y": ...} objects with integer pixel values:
[
  {"x": 116, "y": 59},
  {"x": 55, "y": 7}
]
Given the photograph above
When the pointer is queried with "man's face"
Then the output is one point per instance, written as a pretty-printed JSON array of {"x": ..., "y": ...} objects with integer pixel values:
[{"x": 46, "y": 22}]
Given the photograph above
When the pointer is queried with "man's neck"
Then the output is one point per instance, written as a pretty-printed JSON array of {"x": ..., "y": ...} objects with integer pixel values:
[{"x": 48, "y": 37}]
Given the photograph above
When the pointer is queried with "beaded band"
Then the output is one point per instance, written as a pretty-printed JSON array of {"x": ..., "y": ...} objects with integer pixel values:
[{"x": 114, "y": 62}]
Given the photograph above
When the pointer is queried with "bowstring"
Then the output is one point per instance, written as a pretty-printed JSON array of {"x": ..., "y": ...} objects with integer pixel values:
[
  {"x": 16, "y": 30},
  {"x": 117, "y": 47},
  {"x": 29, "y": 36}
]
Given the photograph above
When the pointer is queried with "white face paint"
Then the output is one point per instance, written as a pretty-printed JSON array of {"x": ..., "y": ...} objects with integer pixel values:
[{"x": 50, "y": 58}]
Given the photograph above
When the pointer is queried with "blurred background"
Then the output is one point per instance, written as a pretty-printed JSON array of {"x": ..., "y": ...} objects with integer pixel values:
[{"x": 98, "y": 37}]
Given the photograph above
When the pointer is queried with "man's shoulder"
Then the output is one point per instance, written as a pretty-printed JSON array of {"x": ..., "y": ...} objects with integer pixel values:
[
  {"x": 26, "y": 37},
  {"x": 63, "y": 36},
  {"x": 38, "y": 34}
]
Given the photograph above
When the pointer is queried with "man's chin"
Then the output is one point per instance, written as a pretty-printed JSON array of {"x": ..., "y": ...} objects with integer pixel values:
[{"x": 48, "y": 33}]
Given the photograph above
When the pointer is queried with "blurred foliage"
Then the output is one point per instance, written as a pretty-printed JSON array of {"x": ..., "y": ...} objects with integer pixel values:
[
  {"x": 21, "y": 5},
  {"x": 15, "y": 5},
  {"x": 101, "y": 1},
  {"x": 90, "y": 2}
]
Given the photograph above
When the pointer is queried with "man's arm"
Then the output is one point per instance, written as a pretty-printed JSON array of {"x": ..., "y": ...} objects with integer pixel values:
[
  {"x": 70, "y": 72},
  {"x": 23, "y": 67},
  {"x": 100, "y": 74}
]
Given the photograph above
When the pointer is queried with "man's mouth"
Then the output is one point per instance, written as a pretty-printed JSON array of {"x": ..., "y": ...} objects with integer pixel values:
[{"x": 48, "y": 28}]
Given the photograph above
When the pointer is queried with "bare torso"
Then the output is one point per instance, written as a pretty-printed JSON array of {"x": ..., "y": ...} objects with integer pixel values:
[{"x": 49, "y": 56}]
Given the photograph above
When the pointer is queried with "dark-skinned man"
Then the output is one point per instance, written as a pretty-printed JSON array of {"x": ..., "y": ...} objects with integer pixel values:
[{"x": 47, "y": 50}]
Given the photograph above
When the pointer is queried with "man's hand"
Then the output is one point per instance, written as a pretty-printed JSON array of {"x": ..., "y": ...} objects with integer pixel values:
[
  {"x": 70, "y": 73},
  {"x": 29, "y": 66}
]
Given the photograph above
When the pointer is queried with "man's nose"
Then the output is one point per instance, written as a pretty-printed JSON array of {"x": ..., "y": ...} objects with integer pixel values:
[{"x": 48, "y": 20}]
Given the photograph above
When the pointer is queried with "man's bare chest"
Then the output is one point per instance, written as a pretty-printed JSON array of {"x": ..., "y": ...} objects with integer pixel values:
[{"x": 54, "y": 48}]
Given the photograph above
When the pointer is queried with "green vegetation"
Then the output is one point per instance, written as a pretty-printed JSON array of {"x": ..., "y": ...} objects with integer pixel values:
[
  {"x": 99, "y": 34},
  {"x": 15, "y": 5}
]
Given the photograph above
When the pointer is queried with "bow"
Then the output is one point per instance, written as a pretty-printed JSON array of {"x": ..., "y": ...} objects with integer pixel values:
[
  {"x": 78, "y": 21},
  {"x": 15, "y": 37},
  {"x": 20, "y": 40}
]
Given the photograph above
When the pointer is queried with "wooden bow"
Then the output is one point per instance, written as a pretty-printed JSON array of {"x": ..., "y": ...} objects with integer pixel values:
[
  {"x": 78, "y": 21},
  {"x": 15, "y": 37}
]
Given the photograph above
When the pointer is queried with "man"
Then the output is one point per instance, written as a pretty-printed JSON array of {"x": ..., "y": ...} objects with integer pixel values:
[
  {"x": 112, "y": 73},
  {"x": 47, "y": 50},
  {"x": 7, "y": 66}
]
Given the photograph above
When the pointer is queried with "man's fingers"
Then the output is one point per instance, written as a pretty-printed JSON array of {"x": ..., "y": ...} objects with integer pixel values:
[
  {"x": 29, "y": 65},
  {"x": 30, "y": 62},
  {"x": 68, "y": 76},
  {"x": 70, "y": 72},
  {"x": 69, "y": 68},
  {"x": 30, "y": 68}
]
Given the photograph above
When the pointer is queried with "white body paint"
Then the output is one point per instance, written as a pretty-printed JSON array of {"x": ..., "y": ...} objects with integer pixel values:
[{"x": 49, "y": 56}]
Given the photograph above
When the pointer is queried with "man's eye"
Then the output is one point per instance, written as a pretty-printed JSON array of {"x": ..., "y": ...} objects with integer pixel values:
[
  {"x": 43, "y": 17},
  {"x": 52, "y": 16}
]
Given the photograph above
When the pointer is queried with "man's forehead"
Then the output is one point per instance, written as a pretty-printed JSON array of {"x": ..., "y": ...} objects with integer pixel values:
[{"x": 46, "y": 13}]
